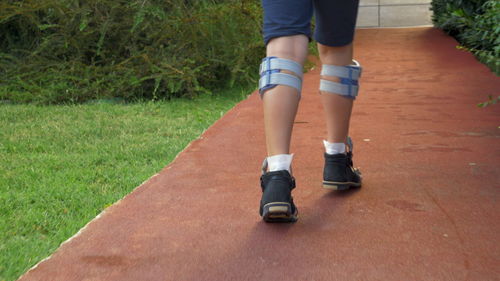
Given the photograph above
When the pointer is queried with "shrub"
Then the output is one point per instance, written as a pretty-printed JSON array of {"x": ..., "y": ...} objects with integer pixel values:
[
  {"x": 54, "y": 51},
  {"x": 475, "y": 24}
]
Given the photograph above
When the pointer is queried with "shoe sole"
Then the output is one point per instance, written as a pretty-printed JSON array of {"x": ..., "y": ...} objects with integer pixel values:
[
  {"x": 279, "y": 212},
  {"x": 333, "y": 185}
]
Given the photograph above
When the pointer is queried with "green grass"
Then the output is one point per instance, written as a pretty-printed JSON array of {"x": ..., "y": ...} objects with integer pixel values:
[{"x": 62, "y": 165}]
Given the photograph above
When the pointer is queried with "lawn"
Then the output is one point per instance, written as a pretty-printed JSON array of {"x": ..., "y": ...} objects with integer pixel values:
[{"x": 62, "y": 165}]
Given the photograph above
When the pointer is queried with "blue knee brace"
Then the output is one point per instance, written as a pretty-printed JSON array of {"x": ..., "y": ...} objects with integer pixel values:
[
  {"x": 348, "y": 75},
  {"x": 271, "y": 75}
]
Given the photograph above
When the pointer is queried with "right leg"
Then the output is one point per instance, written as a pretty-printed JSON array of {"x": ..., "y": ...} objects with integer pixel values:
[
  {"x": 336, "y": 21},
  {"x": 337, "y": 107},
  {"x": 337, "y": 101}
]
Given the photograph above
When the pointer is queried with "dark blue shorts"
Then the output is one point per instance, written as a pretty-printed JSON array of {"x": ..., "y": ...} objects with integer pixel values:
[{"x": 335, "y": 19}]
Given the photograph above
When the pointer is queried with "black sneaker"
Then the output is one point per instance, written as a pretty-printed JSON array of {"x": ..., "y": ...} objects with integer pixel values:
[
  {"x": 339, "y": 173},
  {"x": 277, "y": 204}
]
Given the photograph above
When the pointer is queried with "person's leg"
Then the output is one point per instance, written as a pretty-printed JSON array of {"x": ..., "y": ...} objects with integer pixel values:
[
  {"x": 281, "y": 102},
  {"x": 286, "y": 35},
  {"x": 286, "y": 32},
  {"x": 337, "y": 108},
  {"x": 280, "y": 86},
  {"x": 336, "y": 21}
]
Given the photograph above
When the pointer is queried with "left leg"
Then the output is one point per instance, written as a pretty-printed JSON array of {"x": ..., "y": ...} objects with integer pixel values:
[
  {"x": 286, "y": 33},
  {"x": 281, "y": 102}
]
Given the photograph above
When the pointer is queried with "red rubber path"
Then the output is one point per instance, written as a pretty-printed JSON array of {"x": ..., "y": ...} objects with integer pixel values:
[{"x": 428, "y": 209}]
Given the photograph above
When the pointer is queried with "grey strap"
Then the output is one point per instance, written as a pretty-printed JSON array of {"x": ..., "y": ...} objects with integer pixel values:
[
  {"x": 278, "y": 78},
  {"x": 271, "y": 74},
  {"x": 338, "y": 88},
  {"x": 281, "y": 64},
  {"x": 349, "y": 71}
]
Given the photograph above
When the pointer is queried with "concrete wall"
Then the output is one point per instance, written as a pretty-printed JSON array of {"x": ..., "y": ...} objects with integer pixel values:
[{"x": 394, "y": 13}]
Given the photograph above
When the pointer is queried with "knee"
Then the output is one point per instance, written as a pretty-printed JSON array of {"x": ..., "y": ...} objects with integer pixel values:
[
  {"x": 283, "y": 64},
  {"x": 341, "y": 55},
  {"x": 294, "y": 47}
]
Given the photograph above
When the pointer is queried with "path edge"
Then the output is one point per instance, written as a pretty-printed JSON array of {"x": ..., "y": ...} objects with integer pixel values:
[{"x": 81, "y": 230}]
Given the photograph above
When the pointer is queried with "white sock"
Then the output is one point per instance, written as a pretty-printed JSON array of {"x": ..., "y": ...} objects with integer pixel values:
[
  {"x": 334, "y": 147},
  {"x": 279, "y": 162}
]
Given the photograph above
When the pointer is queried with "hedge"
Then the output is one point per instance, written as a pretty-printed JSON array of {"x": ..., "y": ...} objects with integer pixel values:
[
  {"x": 56, "y": 51},
  {"x": 475, "y": 24}
]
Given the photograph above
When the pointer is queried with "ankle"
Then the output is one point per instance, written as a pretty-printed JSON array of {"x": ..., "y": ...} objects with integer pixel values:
[
  {"x": 280, "y": 162},
  {"x": 334, "y": 147}
]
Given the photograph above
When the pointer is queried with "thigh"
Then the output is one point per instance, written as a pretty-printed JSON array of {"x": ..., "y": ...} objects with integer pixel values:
[
  {"x": 286, "y": 17},
  {"x": 335, "y": 21}
]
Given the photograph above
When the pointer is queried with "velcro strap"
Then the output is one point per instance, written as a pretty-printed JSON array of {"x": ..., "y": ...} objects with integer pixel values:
[
  {"x": 352, "y": 72},
  {"x": 273, "y": 63},
  {"x": 270, "y": 79},
  {"x": 349, "y": 90},
  {"x": 350, "y": 144},
  {"x": 271, "y": 75}
]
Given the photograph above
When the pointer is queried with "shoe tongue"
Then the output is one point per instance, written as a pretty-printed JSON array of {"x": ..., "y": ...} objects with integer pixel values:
[
  {"x": 338, "y": 155},
  {"x": 280, "y": 173}
]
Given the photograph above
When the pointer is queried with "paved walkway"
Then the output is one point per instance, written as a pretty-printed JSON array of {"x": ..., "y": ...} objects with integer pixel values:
[{"x": 428, "y": 209}]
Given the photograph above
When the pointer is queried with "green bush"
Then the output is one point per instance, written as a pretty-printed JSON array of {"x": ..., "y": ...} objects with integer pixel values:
[
  {"x": 475, "y": 24},
  {"x": 54, "y": 51}
]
